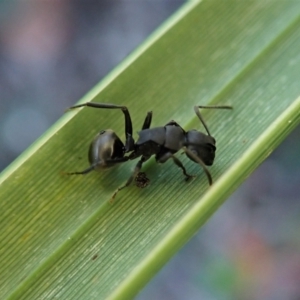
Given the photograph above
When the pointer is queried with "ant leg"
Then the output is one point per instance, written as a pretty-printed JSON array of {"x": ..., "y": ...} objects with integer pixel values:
[
  {"x": 196, "y": 109},
  {"x": 131, "y": 178},
  {"x": 140, "y": 177},
  {"x": 180, "y": 165},
  {"x": 106, "y": 163},
  {"x": 163, "y": 157},
  {"x": 147, "y": 121},
  {"x": 129, "y": 144},
  {"x": 89, "y": 169},
  {"x": 200, "y": 162}
]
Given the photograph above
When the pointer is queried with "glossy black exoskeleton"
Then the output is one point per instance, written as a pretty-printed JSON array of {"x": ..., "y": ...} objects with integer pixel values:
[{"x": 107, "y": 150}]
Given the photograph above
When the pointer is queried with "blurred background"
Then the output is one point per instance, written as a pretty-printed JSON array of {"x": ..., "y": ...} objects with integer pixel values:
[{"x": 53, "y": 52}]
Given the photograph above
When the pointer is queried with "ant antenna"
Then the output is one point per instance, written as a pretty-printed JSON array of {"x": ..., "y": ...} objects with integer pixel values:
[{"x": 197, "y": 111}]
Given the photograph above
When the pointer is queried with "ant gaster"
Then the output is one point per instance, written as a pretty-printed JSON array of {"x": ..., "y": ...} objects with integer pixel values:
[{"x": 107, "y": 150}]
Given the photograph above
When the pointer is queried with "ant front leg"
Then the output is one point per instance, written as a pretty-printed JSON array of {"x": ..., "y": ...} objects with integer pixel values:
[
  {"x": 163, "y": 157},
  {"x": 129, "y": 144},
  {"x": 200, "y": 162},
  {"x": 180, "y": 165}
]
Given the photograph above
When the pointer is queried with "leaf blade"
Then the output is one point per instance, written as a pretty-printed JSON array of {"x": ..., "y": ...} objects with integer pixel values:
[{"x": 130, "y": 224}]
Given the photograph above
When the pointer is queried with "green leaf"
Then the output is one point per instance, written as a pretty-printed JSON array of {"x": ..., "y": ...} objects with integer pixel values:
[{"x": 59, "y": 236}]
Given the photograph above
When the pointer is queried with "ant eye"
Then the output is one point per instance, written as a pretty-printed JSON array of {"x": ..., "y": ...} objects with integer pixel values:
[{"x": 211, "y": 148}]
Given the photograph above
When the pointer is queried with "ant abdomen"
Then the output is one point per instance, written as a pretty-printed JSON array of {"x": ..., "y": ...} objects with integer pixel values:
[{"x": 105, "y": 147}]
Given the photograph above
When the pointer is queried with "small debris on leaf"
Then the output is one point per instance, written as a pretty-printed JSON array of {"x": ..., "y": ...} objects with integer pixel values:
[{"x": 141, "y": 180}]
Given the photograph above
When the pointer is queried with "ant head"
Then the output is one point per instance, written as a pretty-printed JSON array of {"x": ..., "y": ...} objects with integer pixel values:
[{"x": 202, "y": 145}]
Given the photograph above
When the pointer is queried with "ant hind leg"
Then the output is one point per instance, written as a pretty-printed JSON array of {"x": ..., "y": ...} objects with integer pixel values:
[
  {"x": 89, "y": 169},
  {"x": 135, "y": 173}
]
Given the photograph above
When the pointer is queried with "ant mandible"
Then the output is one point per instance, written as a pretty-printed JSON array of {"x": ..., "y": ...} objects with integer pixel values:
[{"x": 107, "y": 150}]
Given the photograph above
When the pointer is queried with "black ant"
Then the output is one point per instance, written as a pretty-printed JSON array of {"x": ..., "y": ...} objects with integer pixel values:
[{"x": 107, "y": 150}]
